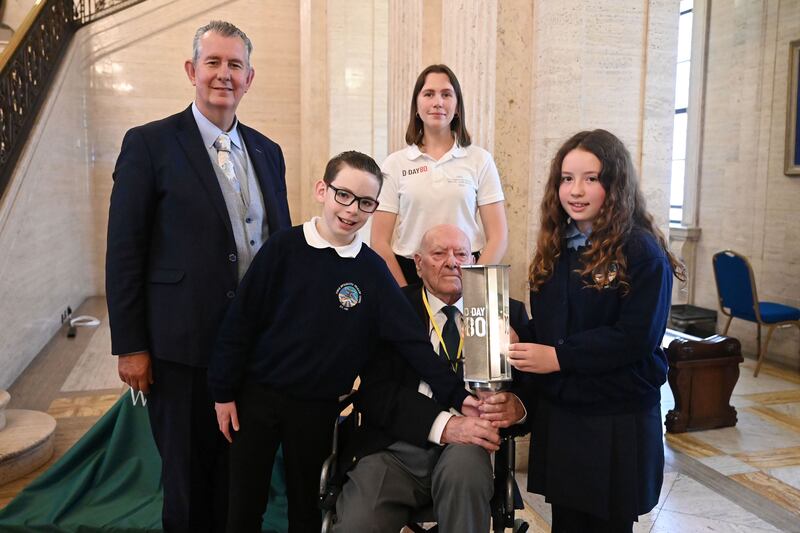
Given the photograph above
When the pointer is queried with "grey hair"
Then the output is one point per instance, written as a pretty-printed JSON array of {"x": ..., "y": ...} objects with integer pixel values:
[{"x": 225, "y": 29}]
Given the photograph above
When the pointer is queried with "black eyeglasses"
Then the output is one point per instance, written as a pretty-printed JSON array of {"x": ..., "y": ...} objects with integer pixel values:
[{"x": 345, "y": 197}]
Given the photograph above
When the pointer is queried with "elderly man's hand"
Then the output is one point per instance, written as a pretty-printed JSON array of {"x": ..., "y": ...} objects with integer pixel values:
[
  {"x": 503, "y": 409},
  {"x": 471, "y": 430}
]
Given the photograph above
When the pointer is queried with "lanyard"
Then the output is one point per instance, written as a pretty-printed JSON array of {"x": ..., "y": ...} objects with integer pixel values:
[{"x": 453, "y": 363}]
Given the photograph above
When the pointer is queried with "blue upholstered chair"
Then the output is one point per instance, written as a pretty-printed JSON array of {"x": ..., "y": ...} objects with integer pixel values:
[{"x": 736, "y": 287}]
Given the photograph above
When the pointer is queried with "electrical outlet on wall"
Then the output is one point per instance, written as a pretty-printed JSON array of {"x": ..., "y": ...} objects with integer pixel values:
[{"x": 65, "y": 314}]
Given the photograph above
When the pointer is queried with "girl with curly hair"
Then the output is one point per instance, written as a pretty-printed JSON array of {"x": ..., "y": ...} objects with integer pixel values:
[{"x": 601, "y": 282}]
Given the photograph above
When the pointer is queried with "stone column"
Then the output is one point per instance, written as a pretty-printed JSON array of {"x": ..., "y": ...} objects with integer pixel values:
[
  {"x": 514, "y": 132},
  {"x": 314, "y": 107},
  {"x": 405, "y": 63},
  {"x": 469, "y": 46}
]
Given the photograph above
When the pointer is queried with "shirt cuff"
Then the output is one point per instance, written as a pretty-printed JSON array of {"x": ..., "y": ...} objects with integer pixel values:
[
  {"x": 437, "y": 428},
  {"x": 524, "y": 411}
]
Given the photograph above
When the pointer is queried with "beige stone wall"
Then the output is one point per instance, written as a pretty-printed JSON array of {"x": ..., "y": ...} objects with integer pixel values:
[
  {"x": 46, "y": 260},
  {"x": 746, "y": 203},
  {"x": 15, "y": 11}
]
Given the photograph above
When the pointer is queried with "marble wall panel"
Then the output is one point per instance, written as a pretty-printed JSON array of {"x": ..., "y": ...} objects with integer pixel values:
[
  {"x": 513, "y": 133},
  {"x": 45, "y": 235},
  {"x": 657, "y": 107},
  {"x": 15, "y": 11},
  {"x": 357, "y": 54},
  {"x": 469, "y": 46},
  {"x": 405, "y": 63},
  {"x": 745, "y": 202},
  {"x": 596, "y": 67}
]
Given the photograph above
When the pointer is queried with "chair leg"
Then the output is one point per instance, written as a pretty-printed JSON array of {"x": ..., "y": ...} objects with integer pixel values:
[
  {"x": 727, "y": 325},
  {"x": 763, "y": 351},
  {"x": 758, "y": 349},
  {"x": 798, "y": 329}
]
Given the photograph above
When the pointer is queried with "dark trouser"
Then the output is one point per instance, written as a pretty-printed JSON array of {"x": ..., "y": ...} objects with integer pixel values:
[
  {"x": 267, "y": 419},
  {"x": 566, "y": 520},
  {"x": 194, "y": 454}
]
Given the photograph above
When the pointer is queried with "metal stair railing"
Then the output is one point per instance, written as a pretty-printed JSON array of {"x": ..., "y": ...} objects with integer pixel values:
[{"x": 28, "y": 63}]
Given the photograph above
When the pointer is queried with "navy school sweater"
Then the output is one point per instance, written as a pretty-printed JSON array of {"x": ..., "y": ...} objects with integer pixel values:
[
  {"x": 305, "y": 320},
  {"x": 608, "y": 344}
]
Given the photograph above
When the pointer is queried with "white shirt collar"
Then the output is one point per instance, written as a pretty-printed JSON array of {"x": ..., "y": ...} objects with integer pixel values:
[
  {"x": 210, "y": 131},
  {"x": 413, "y": 152},
  {"x": 437, "y": 305},
  {"x": 315, "y": 240}
]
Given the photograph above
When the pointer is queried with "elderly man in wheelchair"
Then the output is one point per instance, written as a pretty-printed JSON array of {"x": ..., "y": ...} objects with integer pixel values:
[{"x": 401, "y": 457}]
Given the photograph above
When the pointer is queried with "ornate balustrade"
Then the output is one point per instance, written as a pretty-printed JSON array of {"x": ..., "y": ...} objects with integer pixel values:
[{"x": 28, "y": 63}]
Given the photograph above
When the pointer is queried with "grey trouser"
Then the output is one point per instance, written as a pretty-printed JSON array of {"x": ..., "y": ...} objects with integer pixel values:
[{"x": 385, "y": 488}]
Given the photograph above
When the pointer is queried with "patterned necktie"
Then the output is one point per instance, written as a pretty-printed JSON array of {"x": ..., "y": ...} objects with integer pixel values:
[
  {"x": 223, "y": 146},
  {"x": 451, "y": 338}
]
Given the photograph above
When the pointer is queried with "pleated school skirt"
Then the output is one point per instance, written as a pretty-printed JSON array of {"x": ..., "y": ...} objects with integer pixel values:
[{"x": 609, "y": 466}]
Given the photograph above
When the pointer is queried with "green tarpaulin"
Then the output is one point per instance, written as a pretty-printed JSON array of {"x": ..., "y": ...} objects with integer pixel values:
[{"x": 110, "y": 481}]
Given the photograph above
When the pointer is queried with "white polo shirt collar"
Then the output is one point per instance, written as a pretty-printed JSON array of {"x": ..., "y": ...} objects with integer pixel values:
[
  {"x": 315, "y": 240},
  {"x": 413, "y": 152}
]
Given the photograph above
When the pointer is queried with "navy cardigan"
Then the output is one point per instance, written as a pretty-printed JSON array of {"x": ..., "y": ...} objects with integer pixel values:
[{"x": 608, "y": 343}]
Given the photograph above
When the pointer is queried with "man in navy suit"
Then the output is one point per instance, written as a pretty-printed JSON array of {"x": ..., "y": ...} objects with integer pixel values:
[{"x": 195, "y": 196}]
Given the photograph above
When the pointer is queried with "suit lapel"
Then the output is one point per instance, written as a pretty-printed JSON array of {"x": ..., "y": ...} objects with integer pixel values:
[
  {"x": 263, "y": 175},
  {"x": 416, "y": 302},
  {"x": 192, "y": 144}
]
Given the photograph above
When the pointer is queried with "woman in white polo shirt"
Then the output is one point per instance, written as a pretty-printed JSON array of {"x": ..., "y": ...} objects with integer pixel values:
[{"x": 439, "y": 178}]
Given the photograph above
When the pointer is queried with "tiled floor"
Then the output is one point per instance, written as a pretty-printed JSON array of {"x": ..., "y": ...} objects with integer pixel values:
[{"x": 740, "y": 479}]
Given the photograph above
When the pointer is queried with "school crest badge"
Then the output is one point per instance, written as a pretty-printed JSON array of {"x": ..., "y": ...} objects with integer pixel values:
[{"x": 349, "y": 295}]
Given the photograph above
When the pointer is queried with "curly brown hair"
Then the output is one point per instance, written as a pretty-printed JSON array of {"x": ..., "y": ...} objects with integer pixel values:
[{"x": 623, "y": 210}]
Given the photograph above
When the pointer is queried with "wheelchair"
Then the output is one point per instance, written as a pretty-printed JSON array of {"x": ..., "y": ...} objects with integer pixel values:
[{"x": 505, "y": 501}]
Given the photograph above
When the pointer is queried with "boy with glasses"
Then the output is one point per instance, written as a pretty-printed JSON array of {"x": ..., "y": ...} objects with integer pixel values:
[{"x": 309, "y": 313}]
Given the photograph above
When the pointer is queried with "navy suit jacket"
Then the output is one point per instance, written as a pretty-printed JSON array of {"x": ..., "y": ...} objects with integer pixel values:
[
  {"x": 388, "y": 400},
  {"x": 171, "y": 258}
]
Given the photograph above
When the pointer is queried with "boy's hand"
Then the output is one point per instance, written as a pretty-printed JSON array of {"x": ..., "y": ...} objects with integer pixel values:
[{"x": 227, "y": 418}]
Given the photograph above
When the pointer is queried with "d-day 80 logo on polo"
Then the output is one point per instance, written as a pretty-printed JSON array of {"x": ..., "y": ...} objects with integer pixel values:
[
  {"x": 412, "y": 171},
  {"x": 349, "y": 295}
]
